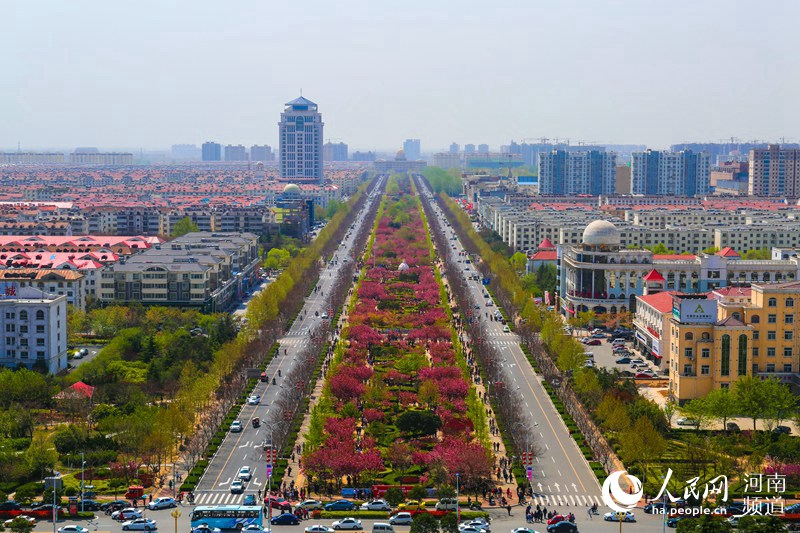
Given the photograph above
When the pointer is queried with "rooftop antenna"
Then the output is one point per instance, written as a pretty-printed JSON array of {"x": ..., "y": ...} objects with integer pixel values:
[{"x": 301, "y": 91}]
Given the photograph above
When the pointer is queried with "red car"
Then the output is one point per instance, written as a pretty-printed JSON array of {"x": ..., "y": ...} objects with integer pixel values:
[
  {"x": 592, "y": 342},
  {"x": 278, "y": 503},
  {"x": 644, "y": 375}
]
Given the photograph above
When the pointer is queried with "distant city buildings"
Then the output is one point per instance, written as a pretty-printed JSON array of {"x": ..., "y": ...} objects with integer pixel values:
[
  {"x": 32, "y": 158},
  {"x": 412, "y": 149},
  {"x": 212, "y": 151},
  {"x": 109, "y": 159},
  {"x": 730, "y": 178},
  {"x": 684, "y": 173},
  {"x": 300, "y": 133},
  {"x": 469, "y": 149},
  {"x": 186, "y": 152},
  {"x": 363, "y": 156},
  {"x": 775, "y": 171},
  {"x": 400, "y": 163},
  {"x": 235, "y": 153},
  {"x": 483, "y": 148},
  {"x": 589, "y": 172},
  {"x": 454, "y": 148},
  {"x": 334, "y": 151},
  {"x": 261, "y": 153},
  {"x": 447, "y": 160}
]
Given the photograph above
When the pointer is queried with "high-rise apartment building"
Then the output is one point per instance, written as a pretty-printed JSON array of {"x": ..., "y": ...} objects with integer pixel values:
[
  {"x": 300, "y": 132},
  {"x": 235, "y": 153},
  {"x": 454, "y": 148},
  {"x": 483, "y": 148},
  {"x": 775, "y": 171},
  {"x": 110, "y": 158},
  {"x": 261, "y": 153},
  {"x": 469, "y": 148},
  {"x": 684, "y": 173},
  {"x": 334, "y": 151},
  {"x": 185, "y": 152},
  {"x": 212, "y": 151},
  {"x": 590, "y": 172},
  {"x": 412, "y": 149}
]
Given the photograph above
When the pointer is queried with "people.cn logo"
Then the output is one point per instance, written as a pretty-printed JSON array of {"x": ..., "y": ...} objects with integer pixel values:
[{"x": 618, "y": 498}]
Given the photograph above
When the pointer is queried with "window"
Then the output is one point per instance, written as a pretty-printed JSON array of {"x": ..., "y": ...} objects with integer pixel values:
[
  {"x": 770, "y": 352},
  {"x": 725, "y": 364},
  {"x": 755, "y": 369},
  {"x": 771, "y": 335},
  {"x": 771, "y": 367},
  {"x": 787, "y": 367},
  {"x": 772, "y": 319},
  {"x": 39, "y": 315},
  {"x": 705, "y": 353},
  {"x": 39, "y": 341},
  {"x": 705, "y": 370},
  {"x": 787, "y": 351},
  {"x": 687, "y": 370},
  {"x": 689, "y": 336},
  {"x": 756, "y": 335},
  {"x": 755, "y": 351},
  {"x": 23, "y": 315},
  {"x": 755, "y": 319},
  {"x": 687, "y": 352},
  {"x": 39, "y": 328},
  {"x": 788, "y": 335},
  {"x": 788, "y": 319},
  {"x": 772, "y": 302},
  {"x": 742, "y": 370},
  {"x": 705, "y": 336},
  {"x": 789, "y": 302}
]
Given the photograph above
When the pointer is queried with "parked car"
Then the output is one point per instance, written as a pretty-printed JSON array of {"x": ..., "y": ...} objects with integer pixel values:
[
  {"x": 347, "y": 523},
  {"x": 277, "y": 503},
  {"x": 686, "y": 421},
  {"x": 447, "y": 504},
  {"x": 656, "y": 507},
  {"x": 318, "y": 528},
  {"x": 376, "y": 505},
  {"x": 523, "y": 530},
  {"x": 644, "y": 375},
  {"x": 324, "y": 316},
  {"x": 673, "y": 521},
  {"x": 732, "y": 426},
  {"x": 623, "y": 361},
  {"x": 236, "y": 426},
  {"x": 140, "y": 524},
  {"x": 784, "y": 430},
  {"x": 129, "y": 513},
  {"x": 626, "y": 373},
  {"x": 562, "y": 527},
  {"x": 410, "y": 504},
  {"x": 310, "y": 505},
  {"x": 89, "y": 505},
  {"x": 237, "y": 487},
  {"x": 592, "y": 342},
  {"x": 340, "y": 505},
  {"x": 162, "y": 503},
  {"x": 285, "y": 519},
  {"x": 116, "y": 505},
  {"x": 72, "y": 528},
  {"x": 613, "y": 516},
  {"x": 254, "y": 528},
  {"x": 470, "y": 529},
  {"x": 245, "y": 474},
  {"x": 29, "y": 519},
  {"x": 479, "y": 523},
  {"x": 10, "y": 505},
  {"x": 401, "y": 519}
]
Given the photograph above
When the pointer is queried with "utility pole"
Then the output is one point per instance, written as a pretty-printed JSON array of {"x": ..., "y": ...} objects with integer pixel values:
[
  {"x": 83, "y": 464},
  {"x": 458, "y": 514}
]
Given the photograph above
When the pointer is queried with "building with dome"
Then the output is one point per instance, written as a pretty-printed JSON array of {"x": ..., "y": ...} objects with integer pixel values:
[
  {"x": 400, "y": 163},
  {"x": 293, "y": 214}
]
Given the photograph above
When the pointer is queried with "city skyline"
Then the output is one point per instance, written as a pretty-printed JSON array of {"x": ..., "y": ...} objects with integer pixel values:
[{"x": 610, "y": 74}]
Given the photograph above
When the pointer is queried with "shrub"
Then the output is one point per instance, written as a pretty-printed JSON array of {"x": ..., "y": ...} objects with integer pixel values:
[{"x": 394, "y": 496}]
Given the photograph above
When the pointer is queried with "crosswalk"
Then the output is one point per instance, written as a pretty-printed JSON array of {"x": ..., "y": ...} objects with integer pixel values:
[
  {"x": 302, "y": 332},
  {"x": 503, "y": 343},
  {"x": 545, "y": 500}
]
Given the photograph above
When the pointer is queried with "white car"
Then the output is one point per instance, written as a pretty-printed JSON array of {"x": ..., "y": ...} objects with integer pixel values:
[
  {"x": 140, "y": 524},
  {"x": 523, "y": 530},
  {"x": 347, "y": 523},
  {"x": 72, "y": 528},
  {"x": 31, "y": 520},
  {"x": 506, "y": 329},
  {"x": 236, "y": 426},
  {"x": 129, "y": 513},
  {"x": 471, "y": 529},
  {"x": 205, "y": 528},
  {"x": 376, "y": 505},
  {"x": 237, "y": 487},
  {"x": 401, "y": 519},
  {"x": 245, "y": 473},
  {"x": 619, "y": 517},
  {"x": 162, "y": 503},
  {"x": 255, "y": 399},
  {"x": 318, "y": 528},
  {"x": 479, "y": 523},
  {"x": 324, "y": 316}
]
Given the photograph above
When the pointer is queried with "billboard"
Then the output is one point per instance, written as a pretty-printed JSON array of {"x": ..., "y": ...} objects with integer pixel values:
[{"x": 691, "y": 311}]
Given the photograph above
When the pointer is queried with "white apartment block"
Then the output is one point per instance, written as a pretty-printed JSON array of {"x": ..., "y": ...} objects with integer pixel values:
[{"x": 35, "y": 326}]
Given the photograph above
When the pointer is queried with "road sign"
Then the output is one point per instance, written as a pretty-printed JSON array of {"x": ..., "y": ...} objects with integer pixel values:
[
  {"x": 529, "y": 471},
  {"x": 269, "y": 470}
]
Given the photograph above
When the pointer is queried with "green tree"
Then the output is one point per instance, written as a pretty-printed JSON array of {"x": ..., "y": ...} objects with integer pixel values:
[
  {"x": 711, "y": 250},
  {"x": 758, "y": 254},
  {"x": 418, "y": 423},
  {"x": 642, "y": 444},
  {"x": 761, "y": 524},
  {"x": 519, "y": 261},
  {"x": 721, "y": 405},
  {"x": 428, "y": 394},
  {"x": 546, "y": 276},
  {"x": 424, "y": 523},
  {"x": 660, "y": 249},
  {"x": 613, "y": 414},
  {"x": 698, "y": 410},
  {"x": 418, "y": 493},
  {"x": 41, "y": 456},
  {"x": 277, "y": 258},
  {"x": 448, "y": 523},
  {"x": 394, "y": 496},
  {"x": 183, "y": 226},
  {"x": 20, "y": 525},
  {"x": 781, "y": 402},
  {"x": 704, "y": 524},
  {"x": 749, "y": 394},
  {"x": 587, "y": 385},
  {"x": 570, "y": 356},
  {"x": 334, "y": 206}
]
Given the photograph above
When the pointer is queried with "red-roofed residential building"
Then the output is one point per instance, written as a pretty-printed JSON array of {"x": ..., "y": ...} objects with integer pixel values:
[
  {"x": 728, "y": 252},
  {"x": 651, "y": 325}
]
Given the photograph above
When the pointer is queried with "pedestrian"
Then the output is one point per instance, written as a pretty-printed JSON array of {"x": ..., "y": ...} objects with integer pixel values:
[
  {"x": 591, "y": 514},
  {"x": 508, "y": 508}
]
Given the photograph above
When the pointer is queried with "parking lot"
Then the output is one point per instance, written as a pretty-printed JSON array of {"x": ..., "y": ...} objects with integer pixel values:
[{"x": 604, "y": 356}]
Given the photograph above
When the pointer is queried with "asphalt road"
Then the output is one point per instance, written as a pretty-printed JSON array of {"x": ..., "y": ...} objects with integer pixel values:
[
  {"x": 93, "y": 349},
  {"x": 561, "y": 476},
  {"x": 246, "y": 447}
]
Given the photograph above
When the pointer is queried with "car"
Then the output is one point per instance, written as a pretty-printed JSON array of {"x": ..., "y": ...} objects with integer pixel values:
[
  {"x": 162, "y": 503},
  {"x": 324, "y": 316},
  {"x": 401, "y": 519},
  {"x": 89, "y": 505},
  {"x": 41, "y": 506},
  {"x": 254, "y": 399},
  {"x": 340, "y": 505},
  {"x": 562, "y": 527},
  {"x": 277, "y": 503},
  {"x": 477, "y": 306},
  {"x": 686, "y": 421},
  {"x": 447, "y": 504},
  {"x": 598, "y": 335},
  {"x": 140, "y": 524},
  {"x": 644, "y": 375},
  {"x": 236, "y": 426},
  {"x": 237, "y": 487},
  {"x": 245, "y": 474},
  {"x": 656, "y": 508},
  {"x": 588, "y": 364},
  {"x": 592, "y": 342},
  {"x": 523, "y": 530},
  {"x": 205, "y": 528},
  {"x": 410, "y": 504},
  {"x": 285, "y": 519},
  {"x": 255, "y": 528},
  {"x": 347, "y": 523},
  {"x": 78, "y": 354},
  {"x": 619, "y": 348},
  {"x": 310, "y": 505},
  {"x": 783, "y": 430},
  {"x": 623, "y": 361},
  {"x": 116, "y": 505},
  {"x": 72, "y": 528},
  {"x": 478, "y": 522},
  {"x": 673, "y": 521},
  {"x": 318, "y": 528},
  {"x": 613, "y": 516},
  {"x": 626, "y": 373},
  {"x": 489, "y": 303},
  {"x": 250, "y": 499},
  {"x": 129, "y": 513},
  {"x": 617, "y": 341},
  {"x": 506, "y": 329},
  {"x": 31, "y": 520},
  {"x": 10, "y": 505},
  {"x": 470, "y": 529},
  {"x": 732, "y": 426},
  {"x": 376, "y": 505}
]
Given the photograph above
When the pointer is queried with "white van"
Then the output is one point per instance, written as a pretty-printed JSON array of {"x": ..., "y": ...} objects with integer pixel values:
[{"x": 382, "y": 527}]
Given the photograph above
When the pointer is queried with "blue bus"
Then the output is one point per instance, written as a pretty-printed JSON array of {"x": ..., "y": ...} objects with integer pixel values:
[{"x": 227, "y": 516}]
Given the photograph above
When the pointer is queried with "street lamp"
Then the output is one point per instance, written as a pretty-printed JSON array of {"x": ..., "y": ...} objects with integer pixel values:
[
  {"x": 176, "y": 514},
  {"x": 83, "y": 464},
  {"x": 458, "y": 513}
]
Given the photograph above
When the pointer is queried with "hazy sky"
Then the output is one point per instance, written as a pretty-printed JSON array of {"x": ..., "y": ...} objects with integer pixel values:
[{"x": 130, "y": 74}]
